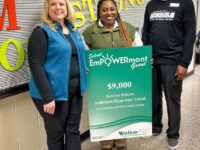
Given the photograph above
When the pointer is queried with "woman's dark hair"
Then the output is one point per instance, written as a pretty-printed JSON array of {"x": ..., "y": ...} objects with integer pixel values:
[{"x": 126, "y": 40}]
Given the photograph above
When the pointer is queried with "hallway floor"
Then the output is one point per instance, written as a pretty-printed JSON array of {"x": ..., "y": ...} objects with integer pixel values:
[{"x": 190, "y": 122}]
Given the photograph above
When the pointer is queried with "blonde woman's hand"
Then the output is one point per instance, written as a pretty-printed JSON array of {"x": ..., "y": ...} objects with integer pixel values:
[
  {"x": 87, "y": 69},
  {"x": 50, "y": 107}
]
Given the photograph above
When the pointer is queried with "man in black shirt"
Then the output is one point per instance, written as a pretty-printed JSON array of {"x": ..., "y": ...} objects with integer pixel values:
[{"x": 169, "y": 26}]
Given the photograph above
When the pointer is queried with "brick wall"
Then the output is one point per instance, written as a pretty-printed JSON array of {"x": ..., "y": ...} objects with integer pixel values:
[{"x": 21, "y": 127}]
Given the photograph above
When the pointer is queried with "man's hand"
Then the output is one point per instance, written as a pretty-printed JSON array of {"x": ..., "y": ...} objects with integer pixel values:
[
  {"x": 50, "y": 107},
  {"x": 181, "y": 72},
  {"x": 152, "y": 61}
]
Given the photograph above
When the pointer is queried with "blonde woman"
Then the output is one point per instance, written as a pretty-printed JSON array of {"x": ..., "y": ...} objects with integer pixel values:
[{"x": 57, "y": 63}]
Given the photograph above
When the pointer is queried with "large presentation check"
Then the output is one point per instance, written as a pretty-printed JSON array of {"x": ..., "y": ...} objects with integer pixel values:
[{"x": 119, "y": 92}]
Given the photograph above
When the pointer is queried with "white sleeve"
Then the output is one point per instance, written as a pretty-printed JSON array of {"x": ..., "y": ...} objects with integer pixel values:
[
  {"x": 137, "y": 40},
  {"x": 86, "y": 46}
]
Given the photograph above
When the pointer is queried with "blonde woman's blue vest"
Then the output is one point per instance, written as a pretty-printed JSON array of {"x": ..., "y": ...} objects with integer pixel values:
[{"x": 58, "y": 62}]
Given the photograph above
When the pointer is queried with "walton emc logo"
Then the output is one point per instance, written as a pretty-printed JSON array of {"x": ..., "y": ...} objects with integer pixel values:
[
  {"x": 128, "y": 133},
  {"x": 98, "y": 59}
]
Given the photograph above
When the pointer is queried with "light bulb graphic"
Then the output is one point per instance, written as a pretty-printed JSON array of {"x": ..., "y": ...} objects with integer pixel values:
[{"x": 108, "y": 60}]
